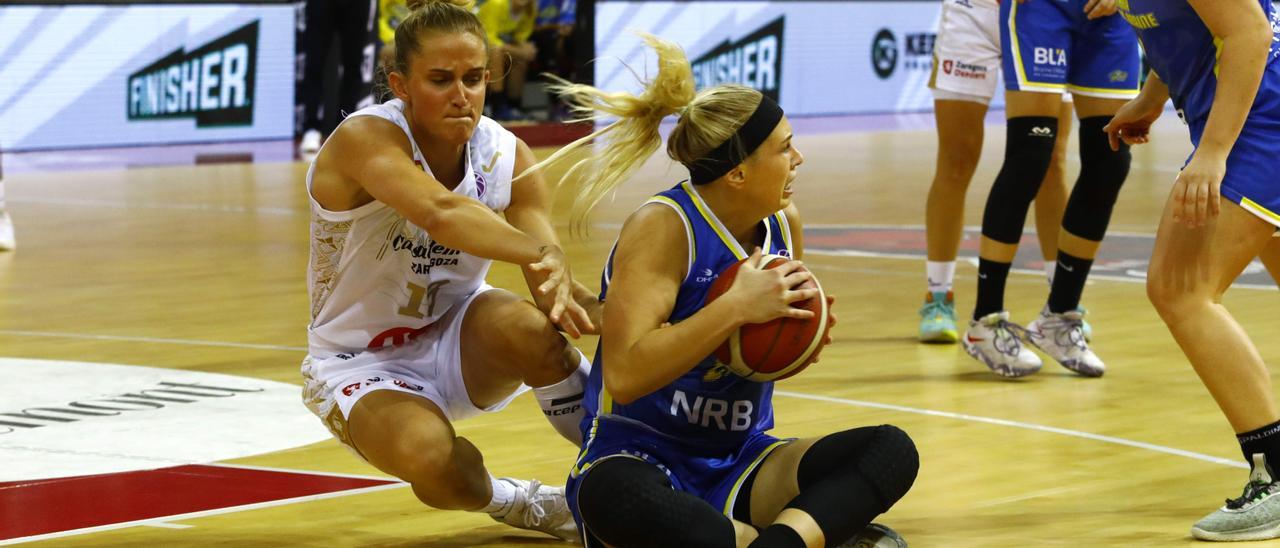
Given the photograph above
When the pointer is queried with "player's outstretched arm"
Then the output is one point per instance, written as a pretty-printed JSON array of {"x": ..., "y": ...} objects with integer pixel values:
[
  {"x": 375, "y": 154},
  {"x": 569, "y": 304}
]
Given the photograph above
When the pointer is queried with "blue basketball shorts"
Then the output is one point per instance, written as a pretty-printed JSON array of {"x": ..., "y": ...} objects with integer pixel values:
[
  {"x": 1251, "y": 179},
  {"x": 712, "y": 473},
  {"x": 1051, "y": 47}
]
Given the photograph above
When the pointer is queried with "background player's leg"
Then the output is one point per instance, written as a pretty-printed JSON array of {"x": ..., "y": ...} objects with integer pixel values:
[
  {"x": 313, "y": 41},
  {"x": 1059, "y": 330},
  {"x": 1031, "y": 131},
  {"x": 507, "y": 341},
  {"x": 359, "y": 54},
  {"x": 823, "y": 491},
  {"x": 1052, "y": 198},
  {"x": 1270, "y": 254},
  {"x": 1190, "y": 270},
  {"x": 960, "y": 131}
]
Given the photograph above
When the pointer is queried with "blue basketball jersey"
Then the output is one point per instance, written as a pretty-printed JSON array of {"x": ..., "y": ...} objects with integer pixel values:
[
  {"x": 708, "y": 404},
  {"x": 1185, "y": 55}
]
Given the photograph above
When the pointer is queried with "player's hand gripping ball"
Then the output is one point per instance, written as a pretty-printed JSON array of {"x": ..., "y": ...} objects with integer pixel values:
[{"x": 781, "y": 347}]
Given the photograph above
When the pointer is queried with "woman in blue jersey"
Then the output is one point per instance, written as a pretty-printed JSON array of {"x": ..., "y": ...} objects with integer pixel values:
[
  {"x": 676, "y": 451},
  {"x": 1217, "y": 60}
]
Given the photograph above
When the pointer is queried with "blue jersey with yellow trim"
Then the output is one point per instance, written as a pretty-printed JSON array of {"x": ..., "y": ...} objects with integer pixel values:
[
  {"x": 706, "y": 405},
  {"x": 1185, "y": 54}
]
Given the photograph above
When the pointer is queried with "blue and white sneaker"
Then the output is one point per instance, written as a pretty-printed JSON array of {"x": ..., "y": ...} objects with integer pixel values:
[
  {"x": 995, "y": 341},
  {"x": 1061, "y": 336},
  {"x": 938, "y": 318}
]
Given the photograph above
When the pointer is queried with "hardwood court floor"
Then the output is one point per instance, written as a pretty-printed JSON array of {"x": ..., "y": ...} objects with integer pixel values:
[{"x": 153, "y": 257}]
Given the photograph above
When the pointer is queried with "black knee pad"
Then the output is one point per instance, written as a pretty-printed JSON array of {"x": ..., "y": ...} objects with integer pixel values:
[
  {"x": 1027, "y": 154},
  {"x": 1102, "y": 173},
  {"x": 890, "y": 463},
  {"x": 884, "y": 455},
  {"x": 848, "y": 478},
  {"x": 628, "y": 503}
]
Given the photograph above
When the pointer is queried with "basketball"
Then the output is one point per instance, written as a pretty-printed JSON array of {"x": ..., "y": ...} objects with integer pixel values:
[{"x": 781, "y": 347}]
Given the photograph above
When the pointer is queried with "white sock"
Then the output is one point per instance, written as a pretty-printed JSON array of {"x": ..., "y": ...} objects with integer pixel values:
[
  {"x": 1, "y": 196},
  {"x": 1050, "y": 267},
  {"x": 504, "y": 493},
  {"x": 941, "y": 275},
  {"x": 561, "y": 402}
]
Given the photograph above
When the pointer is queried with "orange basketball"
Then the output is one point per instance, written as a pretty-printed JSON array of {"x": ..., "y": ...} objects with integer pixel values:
[{"x": 781, "y": 347}]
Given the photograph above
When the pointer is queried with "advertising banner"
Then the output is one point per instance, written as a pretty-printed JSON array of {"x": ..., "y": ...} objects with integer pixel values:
[
  {"x": 95, "y": 75},
  {"x": 815, "y": 58}
]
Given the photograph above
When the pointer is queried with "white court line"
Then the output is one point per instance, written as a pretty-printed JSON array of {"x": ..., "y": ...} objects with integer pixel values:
[
  {"x": 1024, "y": 425},
  {"x": 213, "y": 208},
  {"x": 189, "y": 342},
  {"x": 294, "y": 471},
  {"x": 166, "y": 525},
  {"x": 204, "y": 513},
  {"x": 974, "y": 261}
]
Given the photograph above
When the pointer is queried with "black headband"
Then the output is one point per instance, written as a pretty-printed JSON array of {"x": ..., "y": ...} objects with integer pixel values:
[{"x": 739, "y": 146}]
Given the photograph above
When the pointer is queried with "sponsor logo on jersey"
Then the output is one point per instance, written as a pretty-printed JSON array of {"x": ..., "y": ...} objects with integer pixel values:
[
  {"x": 715, "y": 372},
  {"x": 427, "y": 253},
  {"x": 213, "y": 83},
  {"x": 754, "y": 61},
  {"x": 961, "y": 69},
  {"x": 1137, "y": 20},
  {"x": 733, "y": 416},
  {"x": 1054, "y": 57},
  {"x": 407, "y": 386}
]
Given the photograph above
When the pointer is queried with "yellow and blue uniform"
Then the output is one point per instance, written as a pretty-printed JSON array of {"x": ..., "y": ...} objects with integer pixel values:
[
  {"x": 1051, "y": 46},
  {"x": 503, "y": 26},
  {"x": 556, "y": 12},
  {"x": 390, "y": 14},
  {"x": 707, "y": 429},
  {"x": 1184, "y": 54}
]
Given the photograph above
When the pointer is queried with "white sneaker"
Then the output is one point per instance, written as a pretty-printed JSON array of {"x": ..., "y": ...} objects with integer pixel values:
[
  {"x": 1061, "y": 336},
  {"x": 6, "y": 232},
  {"x": 540, "y": 507},
  {"x": 310, "y": 142},
  {"x": 994, "y": 340},
  {"x": 1253, "y": 516}
]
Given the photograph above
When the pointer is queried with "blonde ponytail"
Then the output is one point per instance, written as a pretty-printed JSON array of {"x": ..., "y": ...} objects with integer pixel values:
[
  {"x": 707, "y": 119},
  {"x": 630, "y": 140}
]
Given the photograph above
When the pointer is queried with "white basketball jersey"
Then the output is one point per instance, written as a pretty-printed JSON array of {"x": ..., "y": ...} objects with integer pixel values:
[{"x": 376, "y": 279}]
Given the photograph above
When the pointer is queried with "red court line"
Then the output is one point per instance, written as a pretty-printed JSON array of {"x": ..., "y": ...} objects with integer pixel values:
[{"x": 38, "y": 507}]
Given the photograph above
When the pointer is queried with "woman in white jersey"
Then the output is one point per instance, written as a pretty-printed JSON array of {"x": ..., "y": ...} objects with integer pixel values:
[
  {"x": 966, "y": 66},
  {"x": 406, "y": 337}
]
